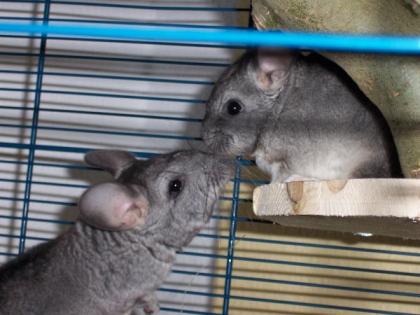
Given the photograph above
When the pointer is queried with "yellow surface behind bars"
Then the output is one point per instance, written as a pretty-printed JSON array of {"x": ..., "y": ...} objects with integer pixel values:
[{"x": 312, "y": 275}]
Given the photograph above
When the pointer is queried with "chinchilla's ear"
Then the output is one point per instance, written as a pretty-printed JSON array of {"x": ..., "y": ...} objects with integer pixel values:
[
  {"x": 272, "y": 67},
  {"x": 113, "y": 161},
  {"x": 112, "y": 206}
]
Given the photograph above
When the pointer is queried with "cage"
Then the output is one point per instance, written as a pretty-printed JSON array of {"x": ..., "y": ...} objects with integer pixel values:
[{"x": 62, "y": 96}]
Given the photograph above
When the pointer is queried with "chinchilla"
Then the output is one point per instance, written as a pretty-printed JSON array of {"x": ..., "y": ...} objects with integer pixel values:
[
  {"x": 123, "y": 245},
  {"x": 300, "y": 117}
]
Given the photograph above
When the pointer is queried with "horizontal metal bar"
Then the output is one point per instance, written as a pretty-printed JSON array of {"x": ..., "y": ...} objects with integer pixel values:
[
  {"x": 8, "y": 254},
  {"x": 56, "y": 183},
  {"x": 286, "y": 302},
  {"x": 10, "y": 217},
  {"x": 110, "y": 77},
  {"x": 72, "y": 204},
  {"x": 189, "y": 292},
  {"x": 76, "y": 166},
  {"x": 64, "y": 184},
  {"x": 242, "y": 38},
  {"x": 82, "y": 150},
  {"x": 35, "y": 182},
  {"x": 52, "y": 221},
  {"x": 25, "y": 1},
  {"x": 6, "y": 180},
  {"x": 318, "y": 305},
  {"x": 45, "y": 239},
  {"x": 118, "y": 59},
  {"x": 34, "y": 200},
  {"x": 151, "y": 7},
  {"x": 97, "y": 131},
  {"x": 326, "y": 246},
  {"x": 101, "y": 113},
  {"x": 299, "y": 283},
  {"x": 59, "y": 165},
  {"x": 183, "y": 310},
  {"x": 28, "y": 237},
  {"x": 128, "y": 41},
  {"x": 111, "y": 95},
  {"x": 318, "y": 245},
  {"x": 71, "y": 166},
  {"x": 327, "y": 266},
  {"x": 111, "y": 22},
  {"x": 306, "y": 265}
]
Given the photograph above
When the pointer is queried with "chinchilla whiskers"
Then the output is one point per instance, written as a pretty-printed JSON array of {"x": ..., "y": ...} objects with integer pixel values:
[{"x": 218, "y": 146}]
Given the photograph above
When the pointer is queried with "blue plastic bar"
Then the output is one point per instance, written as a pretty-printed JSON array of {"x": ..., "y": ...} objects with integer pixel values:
[{"x": 317, "y": 41}]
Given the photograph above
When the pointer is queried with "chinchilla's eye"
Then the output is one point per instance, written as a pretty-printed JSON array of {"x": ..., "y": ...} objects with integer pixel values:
[
  {"x": 234, "y": 108},
  {"x": 175, "y": 187}
]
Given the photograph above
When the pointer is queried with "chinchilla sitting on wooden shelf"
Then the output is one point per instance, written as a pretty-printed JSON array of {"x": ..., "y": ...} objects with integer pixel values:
[{"x": 300, "y": 117}]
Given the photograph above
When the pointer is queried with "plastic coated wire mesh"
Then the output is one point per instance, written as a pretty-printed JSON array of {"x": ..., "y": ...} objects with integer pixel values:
[{"x": 60, "y": 97}]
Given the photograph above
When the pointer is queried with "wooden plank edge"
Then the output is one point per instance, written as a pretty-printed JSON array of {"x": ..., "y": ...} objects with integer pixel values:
[{"x": 387, "y": 207}]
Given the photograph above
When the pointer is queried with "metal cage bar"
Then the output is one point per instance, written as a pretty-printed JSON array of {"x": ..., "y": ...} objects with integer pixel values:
[{"x": 34, "y": 128}]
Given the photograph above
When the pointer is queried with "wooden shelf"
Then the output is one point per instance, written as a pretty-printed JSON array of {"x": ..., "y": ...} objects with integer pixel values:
[{"x": 388, "y": 207}]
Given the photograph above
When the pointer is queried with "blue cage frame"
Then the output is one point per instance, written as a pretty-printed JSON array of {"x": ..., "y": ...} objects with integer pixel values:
[{"x": 195, "y": 36}]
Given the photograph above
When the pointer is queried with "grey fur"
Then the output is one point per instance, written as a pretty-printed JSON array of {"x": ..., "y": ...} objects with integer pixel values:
[
  {"x": 88, "y": 271},
  {"x": 303, "y": 118}
]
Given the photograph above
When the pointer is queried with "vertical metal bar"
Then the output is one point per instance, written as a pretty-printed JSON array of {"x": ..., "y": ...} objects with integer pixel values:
[
  {"x": 34, "y": 128},
  {"x": 232, "y": 236},
  {"x": 233, "y": 219}
]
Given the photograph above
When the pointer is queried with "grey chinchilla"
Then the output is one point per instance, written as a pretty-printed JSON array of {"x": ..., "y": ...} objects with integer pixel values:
[
  {"x": 123, "y": 245},
  {"x": 300, "y": 117}
]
